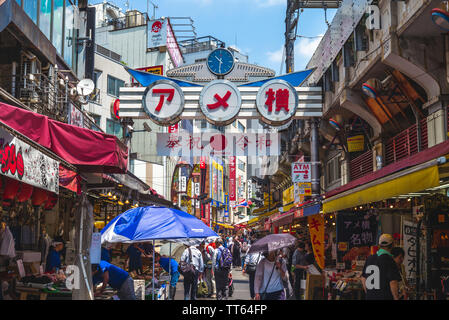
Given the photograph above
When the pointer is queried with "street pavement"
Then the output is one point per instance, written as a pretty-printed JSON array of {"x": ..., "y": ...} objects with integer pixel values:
[{"x": 241, "y": 287}]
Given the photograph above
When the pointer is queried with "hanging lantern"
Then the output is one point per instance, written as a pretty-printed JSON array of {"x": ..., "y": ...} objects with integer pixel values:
[
  {"x": 51, "y": 201},
  {"x": 440, "y": 16},
  {"x": 372, "y": 87},
  {"x": 25, "y": 193},
  {"x": 11, "y": 188},
  {"x": 335, "y": 124},
  {"x": 40, "y": 196}
]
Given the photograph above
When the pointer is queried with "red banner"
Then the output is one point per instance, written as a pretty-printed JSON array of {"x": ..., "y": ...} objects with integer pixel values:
[
  {"x": 208, "y": 214},
  {"x": 232, "y": 196}
]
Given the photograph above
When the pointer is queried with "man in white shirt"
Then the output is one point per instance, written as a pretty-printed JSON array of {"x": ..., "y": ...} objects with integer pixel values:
[{"x": 193, "y": 256}]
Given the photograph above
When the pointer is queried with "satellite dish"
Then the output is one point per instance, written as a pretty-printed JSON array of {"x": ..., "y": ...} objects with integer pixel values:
[{"x": 85, "y": 87}]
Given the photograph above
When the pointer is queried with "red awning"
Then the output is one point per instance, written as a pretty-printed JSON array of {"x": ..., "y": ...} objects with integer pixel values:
[{"x": 89, "y": 150}]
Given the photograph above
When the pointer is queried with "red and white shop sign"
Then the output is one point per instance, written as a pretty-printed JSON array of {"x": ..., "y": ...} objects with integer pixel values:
[
  {"x": 276, "y": 102},
  {"x": 20, "y": 161},
  {"x": 301, "y": 172},
  {"x": 232, "y": 164},
  {"x": 173, "y": 128},
  {"x": 163, "y": 101},
  {"x": 220, "y": 102}
]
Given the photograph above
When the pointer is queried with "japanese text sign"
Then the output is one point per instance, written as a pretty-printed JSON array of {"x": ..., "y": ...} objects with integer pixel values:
[
  {"x": 20, "y": 161},
  {"x": 355, "y": 230},
  {"x": 409, "y": 232},
  {"x": 276, "y": 102},
  {"x": 288, "y": 196},
  {"x": 232, "y": 186},
  {"x": 220, "y": 102},
  {"x": 163, "y": 101},
  {"x": 316, "y": 230},
  {"x": 157, "y": 33},
  {"x": 301, "y": 172},
  {"x": 302, "y": 189},
  {"x": 206, "y": 144},
  {"x": 356, "y": 143}
]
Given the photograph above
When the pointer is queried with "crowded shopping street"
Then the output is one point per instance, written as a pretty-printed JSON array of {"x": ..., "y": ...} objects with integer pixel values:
[{"x": 187, "y": 153}]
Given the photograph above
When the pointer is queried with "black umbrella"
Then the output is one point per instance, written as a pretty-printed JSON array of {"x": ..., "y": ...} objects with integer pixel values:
[{"x": 272, "y": 242}]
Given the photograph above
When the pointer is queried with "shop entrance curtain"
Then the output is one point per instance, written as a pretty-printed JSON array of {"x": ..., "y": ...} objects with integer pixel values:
[{"x": 89, "y": 150}]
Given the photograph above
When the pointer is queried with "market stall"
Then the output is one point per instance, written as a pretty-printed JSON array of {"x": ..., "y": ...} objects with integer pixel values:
[{"x": 151, "y": 224}]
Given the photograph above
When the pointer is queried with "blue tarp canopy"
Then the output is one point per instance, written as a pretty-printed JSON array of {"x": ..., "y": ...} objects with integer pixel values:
[
  {"x": 146, "y": 78},
  {"x": 155, "y": 223}
]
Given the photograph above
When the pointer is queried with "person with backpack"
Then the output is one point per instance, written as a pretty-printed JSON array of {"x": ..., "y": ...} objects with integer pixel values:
[
  {"x": 223, "y": 264},
  {"x": 191, "y": 267}
]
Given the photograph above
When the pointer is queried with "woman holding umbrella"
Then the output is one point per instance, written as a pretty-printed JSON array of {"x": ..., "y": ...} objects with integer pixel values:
[
  {"x": 271, "y": 273},
  {"x": 271, "y": 276}
]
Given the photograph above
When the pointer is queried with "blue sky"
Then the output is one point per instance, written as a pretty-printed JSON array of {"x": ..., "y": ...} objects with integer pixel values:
[{"x": 256, "y": 27}]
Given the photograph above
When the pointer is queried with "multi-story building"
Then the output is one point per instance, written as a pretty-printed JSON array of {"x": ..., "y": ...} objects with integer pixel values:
[
  {"x": 383, "y": 71},
  {"x": 127, "y": 35}
]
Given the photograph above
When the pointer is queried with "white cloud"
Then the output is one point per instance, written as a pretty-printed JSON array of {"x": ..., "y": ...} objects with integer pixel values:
[
  {"x": 270, "y": 3},
  {"x": 306, "y": 47},
  {"x": 275, "y": 56}
]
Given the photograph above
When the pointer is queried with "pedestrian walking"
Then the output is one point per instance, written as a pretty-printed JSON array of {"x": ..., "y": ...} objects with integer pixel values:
[
  {"x": 236, "y": 245},
  {"x": 192, "y": 256},
  {"x": 249, "y": 267},
  {"x": 208, "y": 257},
  {"x": 271, "y": 274},
  {"x": 300, "y": 262},
  {"x": 243, "y": 252},
  {"x": 381, "y": 277},
  {"x": 170, "y": 266},
  {"x": 223, "y": 262}
]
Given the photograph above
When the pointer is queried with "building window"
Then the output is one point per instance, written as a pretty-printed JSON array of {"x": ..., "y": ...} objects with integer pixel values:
[
  {"x": 97, "y": 120},
  {"x": 30, "y": 8},
  {"x": 45, "y": 18},
  {"x": 114, "y": 128},
  {"x": 241, "y": 165},
  {"x": 241, "y": 127},
  {"x": 68, "y": 34},
  {"x": 333, "y": 170},
  {"x": 114, "y": 86},
  {"x": 58, "y": 13},
  {"x": 203, "y": 124}
]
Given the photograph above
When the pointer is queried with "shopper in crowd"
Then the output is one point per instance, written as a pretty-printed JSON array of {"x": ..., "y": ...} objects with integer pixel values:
[
  {"x": 398, "y": 257},
  {"x": 243, "y": 251},
  {"x": 249, "y": 267},
  {"x": 208, "y": 257},
  {"x": 134, "y": 260},
  {"x": 271, "y": 273},
  {"x": 53, "y": 263},
  {"x": 300, "y": 262},
  {"x": 117, "y": 278},
  {"x": 287, "y": 254},
  {"x": 193, "y": 256},
  {"x": 235, "y": 250},
  {"x": 171, "y": 266},
  {"x": 381, "y": 277},
  {"x": 222, "y": 267}
]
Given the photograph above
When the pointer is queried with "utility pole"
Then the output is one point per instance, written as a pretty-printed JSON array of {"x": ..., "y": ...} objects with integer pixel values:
[{"x": 290, "y": 35}]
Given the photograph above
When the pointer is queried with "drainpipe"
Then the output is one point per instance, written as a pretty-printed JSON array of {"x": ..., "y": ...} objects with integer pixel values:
[{"x": 314, "y": 150}]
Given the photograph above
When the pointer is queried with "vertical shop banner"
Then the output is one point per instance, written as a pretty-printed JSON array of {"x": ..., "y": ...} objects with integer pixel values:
[
  {"x": 20, "y": 161},
  {"x": 316, "y": 229},
  {"x": 95, "y": 248},
  {"x": 409, "y": 233},
  {"x": 157, "y": 33},
  {"x": 356, "y": 233},
  {"x": 226, "y": 210},
  {"x": 288, "y": 196},
  {"x": 173, "y": 48},
  {"x": 232, "y": 170},
  {"x": 207, "y": 214}
]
